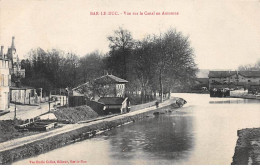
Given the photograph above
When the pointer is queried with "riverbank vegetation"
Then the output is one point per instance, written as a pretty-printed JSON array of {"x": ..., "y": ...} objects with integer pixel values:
[
  {"x": 8, "y": 131},
  {"x": 155, "y": 64}
]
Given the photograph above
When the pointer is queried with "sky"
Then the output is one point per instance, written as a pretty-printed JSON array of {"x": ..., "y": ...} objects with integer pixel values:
[{"x": 224, "y": 34}]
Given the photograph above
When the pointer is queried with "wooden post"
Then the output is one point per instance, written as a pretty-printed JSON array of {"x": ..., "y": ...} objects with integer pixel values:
[
  {"x": 15, "y": 108},
  {"x": 24, "y": 96},
  {"x": 29, "y": 98},
  {"x": 49, "y": 102}
]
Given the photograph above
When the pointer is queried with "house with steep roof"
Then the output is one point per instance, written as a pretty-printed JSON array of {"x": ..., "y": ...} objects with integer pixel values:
[
  {"x": 106, "y": 92},
  {"x": 110, "y": 86},
  {"x": 110, "y": 91}
]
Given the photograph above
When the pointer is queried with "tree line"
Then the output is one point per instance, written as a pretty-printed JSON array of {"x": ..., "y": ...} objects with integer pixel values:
[
  {"x": 250, "y": 67},
  {"x": 155, "y": 64}
]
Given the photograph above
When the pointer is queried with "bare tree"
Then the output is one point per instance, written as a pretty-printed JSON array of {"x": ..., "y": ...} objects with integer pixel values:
[
  {"x": 250, "y": 67},
  {"x": 121, "y": 44}
]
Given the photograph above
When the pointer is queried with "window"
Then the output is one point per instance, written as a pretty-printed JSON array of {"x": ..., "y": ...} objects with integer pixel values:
[
  {"x": 2, "y": 79},
  {"x": 6, "y": 64}
]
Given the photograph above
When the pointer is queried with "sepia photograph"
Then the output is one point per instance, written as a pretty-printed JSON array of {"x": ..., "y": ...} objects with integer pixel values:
[{"x": 129, "y": 82}]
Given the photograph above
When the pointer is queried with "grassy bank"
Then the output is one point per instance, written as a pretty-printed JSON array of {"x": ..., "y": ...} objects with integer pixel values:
[{"x": 8, "y": 131}]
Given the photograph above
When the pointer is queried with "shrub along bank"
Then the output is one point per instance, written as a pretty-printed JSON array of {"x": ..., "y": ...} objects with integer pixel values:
[{"x": 8, "y": 131}]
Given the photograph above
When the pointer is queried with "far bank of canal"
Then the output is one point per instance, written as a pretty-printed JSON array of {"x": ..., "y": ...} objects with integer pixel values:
[{"x": 204, "y": 131}]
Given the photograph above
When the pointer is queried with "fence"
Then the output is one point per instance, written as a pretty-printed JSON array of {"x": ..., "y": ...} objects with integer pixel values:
[{"x": 77, "y": 101}]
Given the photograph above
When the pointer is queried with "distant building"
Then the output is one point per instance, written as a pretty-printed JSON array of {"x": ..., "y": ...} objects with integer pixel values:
[
  {"x": 15, "y": 65},
  {"x": 248, "y": 78},
  {"x": 5, "y": 82},
  {"x": 234, "y": 79},
  {"x": 18, "y": 93}
]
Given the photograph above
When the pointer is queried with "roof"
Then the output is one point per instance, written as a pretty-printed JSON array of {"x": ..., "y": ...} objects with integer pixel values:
[
  {"x": 21, "y": 88},
  {"x": 111, "y": 100},
  {"x": 221, "y": 74},
  {"x": 82, "y": 85},
  {"x": 249, "y": 73},
  {"x": 108, "y": 79}
]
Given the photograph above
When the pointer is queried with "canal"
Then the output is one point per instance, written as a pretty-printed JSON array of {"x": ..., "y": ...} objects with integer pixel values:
[{"x": 204, "y": 131}]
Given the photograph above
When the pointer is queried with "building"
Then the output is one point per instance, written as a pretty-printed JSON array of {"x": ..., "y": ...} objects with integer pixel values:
[
  {"x": 15, "y": 64},
  {"x": 110, "y": 86},
  {"x": 115, "y": 104},
  {"x": 222, "y": 79},
  {"x": 18, "y": 93},
  {"x": 5, "y": 82},
  {"x": 25, "y": 95},
  {"x": 105, "y": 95},
  {"x": 234, "y": 79},
  {"x": 111, "y": 92},
  {"x": 248, "y": 78}
]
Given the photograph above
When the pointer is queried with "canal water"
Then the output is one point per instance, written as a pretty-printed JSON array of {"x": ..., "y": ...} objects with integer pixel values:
[{"x": 204, "y": 131}]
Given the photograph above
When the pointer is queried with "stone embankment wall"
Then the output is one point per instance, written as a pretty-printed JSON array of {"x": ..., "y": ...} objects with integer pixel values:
[
  {"x": 247, "y": 151},
  {"x": 54, "y": 142}
]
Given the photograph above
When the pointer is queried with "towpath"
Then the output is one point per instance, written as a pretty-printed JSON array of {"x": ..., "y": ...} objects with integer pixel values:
[{"x": 70, "y": 127}]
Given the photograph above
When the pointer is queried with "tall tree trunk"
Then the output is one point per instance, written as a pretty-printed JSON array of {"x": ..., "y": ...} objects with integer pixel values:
[
  {"x": 142, "y": 95},
  {"x": 161, "y": 86},
  {"x": 154, "y": 94}
]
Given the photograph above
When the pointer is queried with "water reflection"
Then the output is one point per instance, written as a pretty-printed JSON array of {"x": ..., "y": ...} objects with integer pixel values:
[
  {"x": 234, "y": 101},
  {"x": 160, "y": 138}
]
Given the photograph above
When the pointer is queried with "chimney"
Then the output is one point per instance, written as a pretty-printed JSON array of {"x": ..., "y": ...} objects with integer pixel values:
[
  {"x": 2, "y": 51},
  {"x": 13, "y": 42}
]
